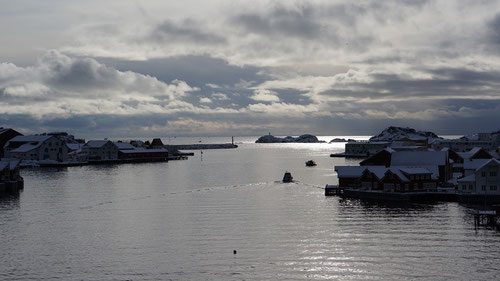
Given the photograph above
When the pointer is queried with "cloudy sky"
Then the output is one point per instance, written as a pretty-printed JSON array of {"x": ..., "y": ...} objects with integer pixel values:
[{"x": 173, "y": 68}]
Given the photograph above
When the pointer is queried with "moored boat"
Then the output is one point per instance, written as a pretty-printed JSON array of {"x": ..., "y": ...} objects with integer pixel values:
[{"x": 311, "y": 163}]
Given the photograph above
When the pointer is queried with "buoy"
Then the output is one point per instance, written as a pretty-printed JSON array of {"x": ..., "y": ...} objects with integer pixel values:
[{"x": 234, "y": 252}]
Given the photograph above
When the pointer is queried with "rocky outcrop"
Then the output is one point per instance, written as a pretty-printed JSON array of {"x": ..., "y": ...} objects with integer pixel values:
[
  {"x": 303, "y": 139},
  {"x": 342, "y": 140},
  {"x": 400, "y": 133}
]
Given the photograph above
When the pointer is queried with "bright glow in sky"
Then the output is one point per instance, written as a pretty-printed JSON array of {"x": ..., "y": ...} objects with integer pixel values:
[{"x": 158, "y": 68}]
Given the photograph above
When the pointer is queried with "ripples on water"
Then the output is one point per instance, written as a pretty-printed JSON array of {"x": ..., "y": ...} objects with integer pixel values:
[{"x": 182, "y": 220}]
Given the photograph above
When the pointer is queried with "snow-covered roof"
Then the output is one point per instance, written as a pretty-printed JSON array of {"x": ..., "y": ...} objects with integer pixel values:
[
  {"x": 30, "y": 138},
  {"x": 26, "y": 147},
  {"x": 494, "y": 161},
  {"x": 96, "y": 143},
  {"x": 398, "y": 173},
  {"x": 349, "y": 171},
  {"x": 474, "y": 164},
  {"x": 469, "y": 178},
  {"x": 471, "y": 153},
  {"x": 124, "y": 146},
  {"x": 74, "y": 146},
  {"x": 3, "y": 130},
  {"x": 390, "y": 150},
  {"x": 417, "y": 158},
  {"x": 415, "y": 170},
  {"x": 378, "y": 171}
]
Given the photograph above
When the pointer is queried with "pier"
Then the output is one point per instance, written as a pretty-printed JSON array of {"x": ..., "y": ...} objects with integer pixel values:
[
  {"x": 200, "y": 146},
  {"x": 485, "y": 218}
]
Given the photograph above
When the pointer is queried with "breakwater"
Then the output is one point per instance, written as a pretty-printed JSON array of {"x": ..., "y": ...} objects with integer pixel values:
[{"x": 200, "y": 146}]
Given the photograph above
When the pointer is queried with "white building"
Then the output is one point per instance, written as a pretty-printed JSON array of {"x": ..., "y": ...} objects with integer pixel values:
[
  {"x": 36, "y": 148},
  {"x": 100, "y": 150},
  {"x": 484, "y": 180}
]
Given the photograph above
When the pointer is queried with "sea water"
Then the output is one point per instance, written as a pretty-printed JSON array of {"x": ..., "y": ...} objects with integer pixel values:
[{"x": 224, "y": 215}]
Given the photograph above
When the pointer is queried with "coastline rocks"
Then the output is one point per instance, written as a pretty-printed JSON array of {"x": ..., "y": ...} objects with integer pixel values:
[{"x": 303, "y": 139}]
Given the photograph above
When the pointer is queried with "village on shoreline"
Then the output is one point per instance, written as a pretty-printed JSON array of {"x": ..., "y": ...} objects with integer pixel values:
[
  {"x": 403, "y": 164},
  {"x": 60, "y": 149},
  {"x": 398, "y": 164}
]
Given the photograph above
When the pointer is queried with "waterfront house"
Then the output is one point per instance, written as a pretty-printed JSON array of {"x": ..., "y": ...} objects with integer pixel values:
[
  {"x": 349, "y": 176},
  {"x": 10, "y": 179},
  {"x": 398, "y": 179},
  {"x": 100, "y": 150},
  {"x": 484, "y": 180},
  {"x": 37, "y": 148},
  {"x": 6, "y": 134},
  {"x": 430, "y": 160}
]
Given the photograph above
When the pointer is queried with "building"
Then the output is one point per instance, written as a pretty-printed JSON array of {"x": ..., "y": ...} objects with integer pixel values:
[
  {"x": 364, "y": 148},
  {"x": 142, "y": 154},
  {"x": 390, "y": 179},
  {"x": 398, "y": 179},
  {"x": 431, "y": 160},
  {"x": 6, "y": 134},
  {"x": 464, "y": 145},
  {"x": 100, "y": 150},
  {"x": 10, "y": 180},
  {"x": 484, "y": 180},
  {"x": 36, "y": 148}
]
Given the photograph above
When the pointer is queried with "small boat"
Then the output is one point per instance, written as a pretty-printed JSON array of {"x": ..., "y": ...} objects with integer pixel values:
[
  {"x": 287, "y": 177},
  {"x": 310, "y": 163}
]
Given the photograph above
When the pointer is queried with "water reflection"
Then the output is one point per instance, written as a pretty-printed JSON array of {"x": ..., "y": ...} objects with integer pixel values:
[{"x": 9, "y": 200}]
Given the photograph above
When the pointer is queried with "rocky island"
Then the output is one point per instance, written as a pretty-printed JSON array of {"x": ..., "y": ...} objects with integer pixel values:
[
  {"x": 393, "y": 133},
  {"x": 302, "y": 138}
]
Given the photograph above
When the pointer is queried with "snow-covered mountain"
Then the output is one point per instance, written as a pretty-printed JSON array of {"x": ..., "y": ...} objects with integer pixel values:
[{"x": 397, "y": 133}]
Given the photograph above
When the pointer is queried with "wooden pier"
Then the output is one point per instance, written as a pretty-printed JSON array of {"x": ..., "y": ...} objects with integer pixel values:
[{"x": 486, "y": 217}]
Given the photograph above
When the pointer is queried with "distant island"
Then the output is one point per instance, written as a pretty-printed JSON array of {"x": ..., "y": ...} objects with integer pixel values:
[
  {"x": 342, "y": 140},
  {"x": 302, "y": 139}
]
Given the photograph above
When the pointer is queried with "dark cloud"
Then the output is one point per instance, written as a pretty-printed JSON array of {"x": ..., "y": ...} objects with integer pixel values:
[
  {"x": 300, "y": 23},
  {"x": 494, "y": 30},
  {"x": 195, "y": 70},
  {"x": 187, "y": 31}
]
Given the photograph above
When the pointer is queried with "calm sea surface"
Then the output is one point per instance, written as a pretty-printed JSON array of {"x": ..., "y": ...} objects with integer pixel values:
[{"x": 182, "y": 220}]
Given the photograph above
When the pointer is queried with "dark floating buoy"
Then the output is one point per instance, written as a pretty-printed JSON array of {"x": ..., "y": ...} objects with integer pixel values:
[{"x": 234, "y": 252}]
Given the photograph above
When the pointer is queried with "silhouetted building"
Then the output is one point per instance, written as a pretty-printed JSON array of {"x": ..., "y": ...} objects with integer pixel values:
[{"x": 5, "y": 135}]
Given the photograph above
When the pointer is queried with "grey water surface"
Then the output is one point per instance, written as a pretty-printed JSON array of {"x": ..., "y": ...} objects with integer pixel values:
[{"x": 182, "y": 220}]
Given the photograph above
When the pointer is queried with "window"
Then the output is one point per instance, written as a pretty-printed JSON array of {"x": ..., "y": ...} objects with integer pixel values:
[
  {"x": 483, "y": 174},
  {"x": 471, "y": 186},
  {"x": 493, "y": 174},
  {"x": 493, "y": 187},
  {"x": 483, "y": 187},
  {"x": 464, "y": 186},
  {"x": 46, "y": 150}
]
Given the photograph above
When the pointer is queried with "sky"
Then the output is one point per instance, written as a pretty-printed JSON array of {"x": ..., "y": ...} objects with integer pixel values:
[{"x": 148, "y": 68}]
